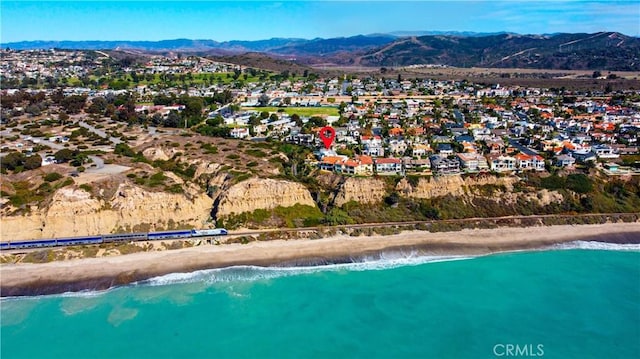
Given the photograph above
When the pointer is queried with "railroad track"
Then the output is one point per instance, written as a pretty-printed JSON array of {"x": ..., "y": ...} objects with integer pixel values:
[
  {"x": 494, "y": 220},
  {"x": 427, "y": 222}
]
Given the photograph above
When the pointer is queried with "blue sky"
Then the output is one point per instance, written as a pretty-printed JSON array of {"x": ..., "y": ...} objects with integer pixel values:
[{"x": 253, "y": 20}]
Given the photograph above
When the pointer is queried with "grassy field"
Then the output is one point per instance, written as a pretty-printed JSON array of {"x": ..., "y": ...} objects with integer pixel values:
[
  {"x": 301, "y": 111},
  {"x": 178, "y": 79}
]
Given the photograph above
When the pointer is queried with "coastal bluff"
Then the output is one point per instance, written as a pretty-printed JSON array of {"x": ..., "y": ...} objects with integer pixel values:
[
  {"x": 74, "y": 212},
  {"x": 449, "y": 185},
  {"x": 261, "y": 193},
  {"x": 362, "y": 190}
]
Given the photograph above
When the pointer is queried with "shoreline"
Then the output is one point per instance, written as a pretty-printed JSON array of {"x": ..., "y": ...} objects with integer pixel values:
[{"x": 103, "y": 273}]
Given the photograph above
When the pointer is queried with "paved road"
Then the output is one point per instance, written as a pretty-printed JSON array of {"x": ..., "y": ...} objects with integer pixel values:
[
  {"x": 99, "y": 132},
  {"x": 524, "y": 149},
  {"x": 99, "y": 163}
]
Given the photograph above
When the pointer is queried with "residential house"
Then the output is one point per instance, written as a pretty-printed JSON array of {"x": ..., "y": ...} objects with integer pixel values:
[
  {"x": 240, "y": 132},
  {"x": 481, "y": 133},
  {"x": 372, "y": 146},
  {"x": 397, "y": 147},
  {"x": 388, "y": 166},
  {"x": 583, "y": 156},
  {"x": 445, "y": 149},
  {"x": 420, "y": 150},
  {"x": 396, "y": 132},
  {"x": 495, "y": 145},
  {"x": 604, "y": 151},
  {"x": 469, "y": 147},
  {"x": 441, "y": 139},
  {"x": 361, "y": 165},
  {"x": 501, "y": 163},
  {"x": 523, "y": 161},
  {"x": 444, "y": 166},
  {"x": 328, "y": 162},
  {"x": 416, "y": 165},
  {"x": 565, "y": 161},
  {"x": 529, "y": 162},
  {"x": 473, "y": 162},
  {"x": 538, "y": 163}
]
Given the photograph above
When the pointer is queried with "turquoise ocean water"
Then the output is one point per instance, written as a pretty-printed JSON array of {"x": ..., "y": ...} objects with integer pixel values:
[{"x": 570, "y": 303}]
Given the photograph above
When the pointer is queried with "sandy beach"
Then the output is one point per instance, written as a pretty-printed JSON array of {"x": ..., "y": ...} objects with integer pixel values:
[{"x": 105, "y": 272}]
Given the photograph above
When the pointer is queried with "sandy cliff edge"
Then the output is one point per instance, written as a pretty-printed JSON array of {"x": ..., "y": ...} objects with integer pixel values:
[{"x": 102, "y": 273}]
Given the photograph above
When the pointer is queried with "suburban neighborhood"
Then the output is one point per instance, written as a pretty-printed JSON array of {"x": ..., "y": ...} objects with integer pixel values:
[{"x": 384, "y": 126}]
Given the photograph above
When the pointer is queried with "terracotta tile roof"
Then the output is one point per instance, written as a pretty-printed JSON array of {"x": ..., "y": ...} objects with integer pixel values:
[
  {"x": 388, "y": 160},
  {"x": 331, "y": 159}
]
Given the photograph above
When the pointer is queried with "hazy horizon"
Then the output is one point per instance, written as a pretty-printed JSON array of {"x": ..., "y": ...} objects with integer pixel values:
[
  {"x": 392, "y": 33},
  {"x": 259, "y": 20}
]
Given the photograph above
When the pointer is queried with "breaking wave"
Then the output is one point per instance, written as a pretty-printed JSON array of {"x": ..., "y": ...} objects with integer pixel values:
[
  {"x": 252, "y": 273},
  {"x": 602, "y": 246}
]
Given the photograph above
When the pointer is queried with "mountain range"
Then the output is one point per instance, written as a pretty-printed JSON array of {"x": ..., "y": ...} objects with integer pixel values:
[{"x": 602, "y": 50}]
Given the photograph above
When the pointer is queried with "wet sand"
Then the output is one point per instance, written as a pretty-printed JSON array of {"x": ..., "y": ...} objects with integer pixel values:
[{"x": 105, "y": 272}]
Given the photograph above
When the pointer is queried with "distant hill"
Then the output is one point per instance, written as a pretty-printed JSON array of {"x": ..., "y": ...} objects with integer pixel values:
[
  {"x": 321, "y": 47},
  {"x": 603, "y": 50},
  {"x": 446, "y": 33},
  {"x": 262, "y": 61},
  {"x": 275, "y": 45},
  {"x": 175, "y": 45}
]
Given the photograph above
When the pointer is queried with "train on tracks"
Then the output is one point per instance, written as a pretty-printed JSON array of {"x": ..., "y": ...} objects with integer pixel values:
[{"x": 109, "y": 238}]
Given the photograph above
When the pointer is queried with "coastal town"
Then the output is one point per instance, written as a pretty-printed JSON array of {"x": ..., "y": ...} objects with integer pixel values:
[
  {"x": 430, "y": 179},
  {"x": 384, "y": 126}
]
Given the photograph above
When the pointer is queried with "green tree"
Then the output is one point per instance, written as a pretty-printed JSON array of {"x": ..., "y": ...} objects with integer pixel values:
[
  {"x": 12, "y": 161},
  {"x": 172, "y": 120},
  {"x": 33, "y": 162},
  {"x": 296, "y": 118},
  {"x": 73, "y": 103},
  {"x": 64, "y": 155},
  {"x": 98, "y": 105},
  {"x": 192, "y": 107},
  {"x": 124, "y": 149},
  {"x": 263, "y": 100}
]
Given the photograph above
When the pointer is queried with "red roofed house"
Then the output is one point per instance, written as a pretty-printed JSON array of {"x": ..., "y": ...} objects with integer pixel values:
[
  {"x": 328, "y": 162},
  {"x": 388, "y": 166},
  {"x": 361, "y": 165},
  {"x": 393, "y": 132},
  {"x": 529, "y": 162}
]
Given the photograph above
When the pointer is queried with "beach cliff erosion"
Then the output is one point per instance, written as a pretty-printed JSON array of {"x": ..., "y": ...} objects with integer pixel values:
[{"x": 106, "y": 272}]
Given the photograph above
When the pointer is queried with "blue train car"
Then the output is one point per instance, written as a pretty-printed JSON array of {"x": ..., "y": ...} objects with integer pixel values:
[
  {"x": 4, "y": 245},
  {"x": 78, "y": 240},
  {"x": 124, "y": 237},
  {"x": 170, "y": 234},
  {"x": 32, "y": 244}
]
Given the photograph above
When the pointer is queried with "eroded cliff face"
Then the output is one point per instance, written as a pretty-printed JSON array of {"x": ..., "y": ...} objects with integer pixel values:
[
  {"x": 472, "y": 187},
  {"x": 453, "y": 185},
  {"x": 73, "y": 212},
  {"x": 260, "y": 193},
  {"x": 363, "y": 190}
]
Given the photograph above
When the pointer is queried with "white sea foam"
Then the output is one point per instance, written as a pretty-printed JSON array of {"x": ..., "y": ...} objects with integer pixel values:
[
  {"x": 89, "y": 293},
  {"x": 593, "y": 245},
  {"x": 173, "y": 278},
  {"x": 384, "y": 261}
]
